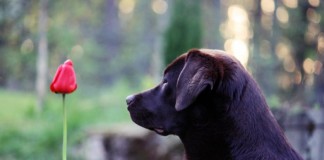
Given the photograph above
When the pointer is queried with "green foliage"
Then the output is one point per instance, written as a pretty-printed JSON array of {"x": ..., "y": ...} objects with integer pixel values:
[
  {"x": 29, "y": 135},
  {"x": 274, "y": 101},
  {"x": 185, "y": 30}
]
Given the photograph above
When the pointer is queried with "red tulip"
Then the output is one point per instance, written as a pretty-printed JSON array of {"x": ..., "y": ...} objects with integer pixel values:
[{"x": 64, "y": 80}]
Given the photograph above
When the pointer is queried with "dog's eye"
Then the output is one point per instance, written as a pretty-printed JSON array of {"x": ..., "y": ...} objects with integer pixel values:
[{"x": 164, "y": 83}]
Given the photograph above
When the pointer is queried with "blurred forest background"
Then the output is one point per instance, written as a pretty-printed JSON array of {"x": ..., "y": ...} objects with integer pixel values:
[{"x": 121, "y": 46}]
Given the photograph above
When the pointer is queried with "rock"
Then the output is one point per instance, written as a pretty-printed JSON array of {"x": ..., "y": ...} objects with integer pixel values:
[{"x": 130, "y": 142}]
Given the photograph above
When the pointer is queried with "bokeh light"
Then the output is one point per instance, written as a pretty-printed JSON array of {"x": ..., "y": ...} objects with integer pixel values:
[
  {"x": 308, "y": 66},
  {"x": 314, "y": 3},
  {"x": 284, "y": 81},
  {"x": 267, "y": 6},
  {"x": 159, "y": 6},
  {"x": 289, "y": 64},
  {"x": 313, "y": 16},
  {"x": 77, "y": 51},
  {"x": 282, "y": 15},
  {"x": 290, "y": 3},
  {"x": 282, "y": 50},
  {"x": 127, "y": 6},
  {"x": 312, "y": 32},
  {"x": 320, "y": 43},
  {"x": 236, "y": 31},
  {"x": 27, "y": 46}
]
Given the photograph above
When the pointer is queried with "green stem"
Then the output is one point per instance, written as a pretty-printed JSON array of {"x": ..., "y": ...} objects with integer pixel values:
[{"x": 64, "y": 130}]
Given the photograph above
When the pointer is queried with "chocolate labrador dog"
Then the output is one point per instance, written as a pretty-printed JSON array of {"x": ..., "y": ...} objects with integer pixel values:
[{"x": 212, "y": 103}]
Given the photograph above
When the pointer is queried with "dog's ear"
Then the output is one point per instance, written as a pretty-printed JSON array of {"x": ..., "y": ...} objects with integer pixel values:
[{"x": 196, "y": 76}]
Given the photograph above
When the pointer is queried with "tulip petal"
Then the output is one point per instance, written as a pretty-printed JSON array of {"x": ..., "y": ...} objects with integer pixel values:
[{"x": 64, "y": 80}]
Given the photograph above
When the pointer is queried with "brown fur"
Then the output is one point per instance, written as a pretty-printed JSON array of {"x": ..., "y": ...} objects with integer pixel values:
[{"x": 212, "y": 103}]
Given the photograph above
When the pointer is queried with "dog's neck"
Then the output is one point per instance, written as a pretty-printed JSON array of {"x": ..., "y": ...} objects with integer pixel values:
[
  {"x": 228, "y": 137},
  {"x": 256, "y": 131},
  {"x": 200, "y": 145},
  {"x": 261, "y": 134},
  {"x": 202, "y": 149}
]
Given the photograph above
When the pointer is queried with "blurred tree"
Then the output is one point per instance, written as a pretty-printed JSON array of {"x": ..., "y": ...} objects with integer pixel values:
[
  {"x": 300, "y": 48},
  {"x": 16, "y": 46},
  {"x": 319, "y": 81},
  {"x": 185, "y": 30},
  {"x": 3, "y": 40},
  {"x": 301, "y": 34},
  {"x": 264, "y": 61},
  {"x": 319, "y": 45},
  {"x": 212, "y": 16},
  {"x": 109, "y": 37},
  {"x": 146, "y": 28},
  {"x": 281, "y": 48},
  {"x": 42, "y": 58}
]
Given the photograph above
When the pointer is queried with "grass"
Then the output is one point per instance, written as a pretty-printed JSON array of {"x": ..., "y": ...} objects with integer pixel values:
[{"x": 31, "y": 135}]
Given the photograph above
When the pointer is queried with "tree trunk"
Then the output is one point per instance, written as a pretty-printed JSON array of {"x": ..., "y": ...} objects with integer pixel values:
[{"x": 42, "y": 55}]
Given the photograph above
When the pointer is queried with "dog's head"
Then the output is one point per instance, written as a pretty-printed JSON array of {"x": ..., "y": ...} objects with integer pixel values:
[{"x": 186, "y": 94}]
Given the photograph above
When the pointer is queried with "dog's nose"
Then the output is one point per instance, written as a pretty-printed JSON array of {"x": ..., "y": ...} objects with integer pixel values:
[{"x": 130, "y": 99}]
